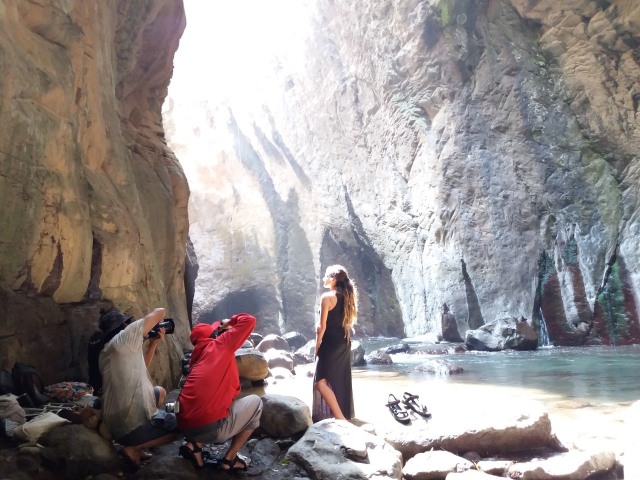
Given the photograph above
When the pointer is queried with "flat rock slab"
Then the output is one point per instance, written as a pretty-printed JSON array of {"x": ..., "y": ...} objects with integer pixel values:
[
  {"x": 574, "y": 465},
  {"x": 336, "y": 449},
  {"x": 495, "y": 429},
  {"x": 434, "y": 465}
]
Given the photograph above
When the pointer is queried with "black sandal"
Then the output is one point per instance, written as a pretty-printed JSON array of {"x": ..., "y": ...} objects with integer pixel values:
[
  {"x": 396, "y": 410},
  {"x": 411, "y": 402},
  {"x": 231, "y": 464},
  {"x": 190, "y": 454}
]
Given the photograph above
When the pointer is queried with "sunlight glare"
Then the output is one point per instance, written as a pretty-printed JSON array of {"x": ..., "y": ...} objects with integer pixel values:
[{"x": 230, "y": 48}]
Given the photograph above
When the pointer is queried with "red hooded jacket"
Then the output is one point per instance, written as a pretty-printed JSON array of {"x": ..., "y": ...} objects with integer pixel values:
[{"x": 213, "y": 380}]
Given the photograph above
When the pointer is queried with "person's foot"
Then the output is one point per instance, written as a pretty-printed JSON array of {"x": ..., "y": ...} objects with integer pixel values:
[
  {"x": 132, "y": 456},
  {"x": 233, "y": 465},
  {"x": 193, "y": 453}
]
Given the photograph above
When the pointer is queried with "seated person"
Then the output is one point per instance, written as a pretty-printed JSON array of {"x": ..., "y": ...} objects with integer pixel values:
[
  {"x": 209, "y": 411},
  {"x": 129, "y": 401}
]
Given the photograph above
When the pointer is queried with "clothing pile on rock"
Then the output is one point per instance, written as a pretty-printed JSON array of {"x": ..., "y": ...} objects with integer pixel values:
[{"x": 12, "y": 415}]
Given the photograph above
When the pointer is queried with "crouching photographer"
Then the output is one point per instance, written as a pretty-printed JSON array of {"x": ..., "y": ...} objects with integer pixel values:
[
  {"x": 130, "y": 403},
  {"x": 209, "y": 411}
]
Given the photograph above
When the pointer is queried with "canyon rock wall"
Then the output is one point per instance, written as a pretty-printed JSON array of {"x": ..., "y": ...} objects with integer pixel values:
[
  {"x": 94, "y": 204},
  {"x": 478, "y": 154}
]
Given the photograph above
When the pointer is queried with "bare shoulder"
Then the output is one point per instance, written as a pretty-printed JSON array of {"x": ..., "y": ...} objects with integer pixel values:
[{"x": 329, "y": 299}]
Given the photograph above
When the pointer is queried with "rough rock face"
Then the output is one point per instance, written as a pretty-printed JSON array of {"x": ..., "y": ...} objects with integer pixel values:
[
  {"x": 482, "y": 154},
  {"x": 94, "y": 204}
]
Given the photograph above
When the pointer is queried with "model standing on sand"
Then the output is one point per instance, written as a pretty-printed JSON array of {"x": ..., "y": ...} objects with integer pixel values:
[{"x": 332, "y": 391}]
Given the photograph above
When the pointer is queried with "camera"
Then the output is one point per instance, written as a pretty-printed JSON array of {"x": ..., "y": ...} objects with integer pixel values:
[{"x": 169, "y": 327}]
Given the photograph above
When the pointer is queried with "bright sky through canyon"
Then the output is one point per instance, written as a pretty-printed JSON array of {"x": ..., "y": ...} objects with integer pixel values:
[{"x": 229, "y": 45}]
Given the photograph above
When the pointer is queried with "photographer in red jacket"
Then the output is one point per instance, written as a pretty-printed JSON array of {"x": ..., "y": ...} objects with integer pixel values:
[{"x": 208, "y": 409}]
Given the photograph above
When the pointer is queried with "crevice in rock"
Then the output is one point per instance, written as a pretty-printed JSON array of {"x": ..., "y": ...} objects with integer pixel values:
[
  {"x": 616, "y": 319},
  {"x": 54, "y": 279},
  {"x": 190, "y": 275},
  {"x": 296, "y": 272},
  {"x": 473, "y": 304},
  {"x": 379, "y": 309},
  {"x": 93, "y": 289}
]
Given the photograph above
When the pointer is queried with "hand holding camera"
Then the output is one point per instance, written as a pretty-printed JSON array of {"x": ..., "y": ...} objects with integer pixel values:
[{"x": 169, "y": 327}]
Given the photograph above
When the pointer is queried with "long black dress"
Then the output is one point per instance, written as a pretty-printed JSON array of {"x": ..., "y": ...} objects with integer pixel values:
[{"x": 334, "y": 365}]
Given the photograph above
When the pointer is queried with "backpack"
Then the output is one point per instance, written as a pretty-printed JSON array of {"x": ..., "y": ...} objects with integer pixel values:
[
  {"x": 6, "y": 383},
  {"x": 27, "y": 380}
]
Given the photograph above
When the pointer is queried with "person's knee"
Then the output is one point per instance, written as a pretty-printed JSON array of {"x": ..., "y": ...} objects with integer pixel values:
[{"x": 162, "y": 394}]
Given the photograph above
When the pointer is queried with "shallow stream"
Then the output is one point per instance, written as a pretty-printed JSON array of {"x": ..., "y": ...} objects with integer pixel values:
[{"x": 587, "y": 390}]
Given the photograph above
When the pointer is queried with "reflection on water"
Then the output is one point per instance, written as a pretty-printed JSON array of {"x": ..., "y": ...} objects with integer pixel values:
[{"x": 596, "y": 374}]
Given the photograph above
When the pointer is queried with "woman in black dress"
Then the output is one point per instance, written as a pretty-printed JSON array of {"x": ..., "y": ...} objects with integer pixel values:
[{"x": 332, "y": 392}]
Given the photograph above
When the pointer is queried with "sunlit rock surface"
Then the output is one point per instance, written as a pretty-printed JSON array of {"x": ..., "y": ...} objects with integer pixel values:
[
  {"x": 94, "y": 204},
  {"x": 482, "y": 154}
]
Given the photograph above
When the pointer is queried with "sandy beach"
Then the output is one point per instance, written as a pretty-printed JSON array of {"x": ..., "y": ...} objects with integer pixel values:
[{"x": 577, "y": 423}]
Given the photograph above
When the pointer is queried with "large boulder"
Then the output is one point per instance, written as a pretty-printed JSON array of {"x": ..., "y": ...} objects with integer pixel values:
[
  {"x": 573, "y": 465},
  {"x": 357, "y": 354},
  {"x": 495, "y": 429},
  {"x": 252, "y": 365},
  {"x": 434, "y": 465},
  {"x": 503, "y": 334},
  {"x": 272, "y": 341},
  {"x": 279, "y": 358},
  {"x": 79, "y": 451},
  {"x": 450, "y": 332},
  {"x": 439, "y": 367},
  {"x": 284, "y": 416},
  {"x": 378, "y": 357},
  {"x": 295, "y": 340},
  {"x": 333, "y": 449}
]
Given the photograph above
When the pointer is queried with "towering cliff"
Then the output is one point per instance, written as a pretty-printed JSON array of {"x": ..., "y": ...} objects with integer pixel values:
[
  {"x": 94, "y": 204},
  {"x": 481, "y": 154}
]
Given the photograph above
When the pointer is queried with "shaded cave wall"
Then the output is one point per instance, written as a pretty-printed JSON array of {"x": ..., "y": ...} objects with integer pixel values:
[{"x": 94, "y": 202}]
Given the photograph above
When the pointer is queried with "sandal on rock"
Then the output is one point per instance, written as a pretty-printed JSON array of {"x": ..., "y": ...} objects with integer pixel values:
[
  {"x": 231, "y": 464},
  {"x": 396, "y": 410},
  {"x": 411, "y": 402},
  {"x": 190, "y": 454}
]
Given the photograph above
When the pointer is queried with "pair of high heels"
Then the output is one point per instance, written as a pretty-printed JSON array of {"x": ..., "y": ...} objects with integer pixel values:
[{"x": 190, "y": 454}]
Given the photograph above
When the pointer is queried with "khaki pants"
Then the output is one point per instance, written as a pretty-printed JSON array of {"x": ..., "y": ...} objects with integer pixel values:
[{"x": 244, "y": 414}]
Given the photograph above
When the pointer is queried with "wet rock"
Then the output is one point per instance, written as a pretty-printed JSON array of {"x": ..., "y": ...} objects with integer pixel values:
[
  {"x": 502, "y": 334},
  {"x": 378, "y": 357},
  {"x": 397, "y": 348},
  {"x": 439, "y": 367}
]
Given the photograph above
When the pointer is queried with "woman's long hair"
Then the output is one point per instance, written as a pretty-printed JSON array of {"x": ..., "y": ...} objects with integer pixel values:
[{"x": 346, "y": 287}]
